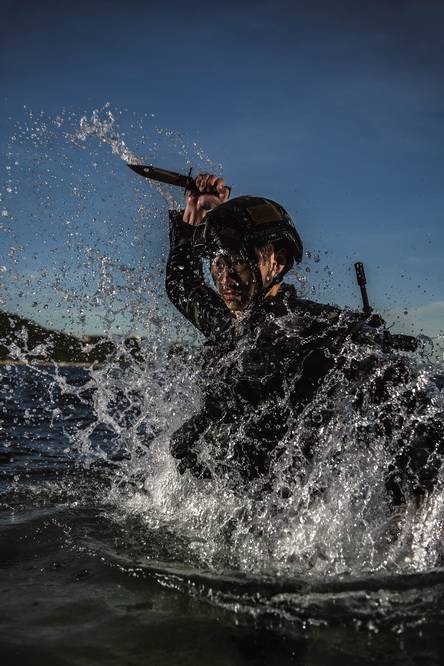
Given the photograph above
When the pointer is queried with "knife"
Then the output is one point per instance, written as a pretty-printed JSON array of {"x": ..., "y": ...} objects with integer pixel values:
[{"x": 171, "y": 177}]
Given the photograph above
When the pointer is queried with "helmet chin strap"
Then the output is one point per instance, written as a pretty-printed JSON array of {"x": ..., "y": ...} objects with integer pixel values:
[{"x": 262, "y": 291}]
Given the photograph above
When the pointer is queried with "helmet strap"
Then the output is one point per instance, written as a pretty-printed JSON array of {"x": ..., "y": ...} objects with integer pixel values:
[{"x": 263, "y": 290}]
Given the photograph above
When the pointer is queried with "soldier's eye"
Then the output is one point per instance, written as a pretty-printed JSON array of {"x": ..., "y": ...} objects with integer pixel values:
[
  {"x": 218, "y": 264},
  {"x": 239, "y": 264}
]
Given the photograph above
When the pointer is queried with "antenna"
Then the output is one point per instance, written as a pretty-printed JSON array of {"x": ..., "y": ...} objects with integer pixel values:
[{"x": 362, "y": 282}]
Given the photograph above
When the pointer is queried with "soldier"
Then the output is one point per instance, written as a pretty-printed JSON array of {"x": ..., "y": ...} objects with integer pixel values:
[{"x": 269, "y": 353}]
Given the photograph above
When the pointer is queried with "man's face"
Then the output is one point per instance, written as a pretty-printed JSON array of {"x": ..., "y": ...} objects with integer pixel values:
[{"x": 235, "y": 280}]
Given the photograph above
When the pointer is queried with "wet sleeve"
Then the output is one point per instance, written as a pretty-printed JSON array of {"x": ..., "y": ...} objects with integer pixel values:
[{"x": 185, "y": 284}]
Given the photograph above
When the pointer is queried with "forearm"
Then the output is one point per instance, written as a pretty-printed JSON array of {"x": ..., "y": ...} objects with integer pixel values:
[{"x": 185, "y": 284}]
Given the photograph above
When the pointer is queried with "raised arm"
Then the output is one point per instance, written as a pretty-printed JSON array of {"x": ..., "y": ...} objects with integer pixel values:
[{"x": 185, "y": 284}]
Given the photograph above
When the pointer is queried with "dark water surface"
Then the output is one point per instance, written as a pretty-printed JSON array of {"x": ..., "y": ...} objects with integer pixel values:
[{"x": 90, "y": 574}]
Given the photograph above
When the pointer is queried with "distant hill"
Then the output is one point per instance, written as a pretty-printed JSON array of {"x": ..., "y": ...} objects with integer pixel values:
[{"x": 23, "y": 339}]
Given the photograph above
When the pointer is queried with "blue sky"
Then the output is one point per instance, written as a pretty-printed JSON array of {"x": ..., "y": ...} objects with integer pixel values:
[{"x": 334, "y": 109}]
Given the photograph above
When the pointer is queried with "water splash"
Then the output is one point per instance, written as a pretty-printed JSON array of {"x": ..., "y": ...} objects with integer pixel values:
[
  {"x": 103, "y": 128},
  {"x": 333, "y": 520},
  {"x": 73, "y": 212},
  {"x": 336, "y": 517}
]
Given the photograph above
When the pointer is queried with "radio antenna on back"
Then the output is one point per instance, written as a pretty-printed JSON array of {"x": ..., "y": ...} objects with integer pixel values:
[{"x": 362, "y": 282}]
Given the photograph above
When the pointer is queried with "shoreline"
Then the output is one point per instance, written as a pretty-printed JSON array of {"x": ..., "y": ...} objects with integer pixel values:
[{"x": 50, "y": 364}]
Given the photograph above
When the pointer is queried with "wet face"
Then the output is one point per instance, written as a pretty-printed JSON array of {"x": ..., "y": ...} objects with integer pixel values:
[{"x": 235, "y": 280}]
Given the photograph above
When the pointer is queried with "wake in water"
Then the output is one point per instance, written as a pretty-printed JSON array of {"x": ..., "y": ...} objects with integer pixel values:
[{"x": 329, "y": 515}]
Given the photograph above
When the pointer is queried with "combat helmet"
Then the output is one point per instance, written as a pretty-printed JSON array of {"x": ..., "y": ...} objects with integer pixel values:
[{"x": 245, "y": 223}]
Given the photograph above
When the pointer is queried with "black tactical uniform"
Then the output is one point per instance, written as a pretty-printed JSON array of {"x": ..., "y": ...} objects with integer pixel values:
[{"x": 264, "y": 370}]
